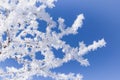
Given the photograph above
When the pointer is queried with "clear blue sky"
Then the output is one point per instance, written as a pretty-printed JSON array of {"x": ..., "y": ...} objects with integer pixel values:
[{"x": 102, "y": 20}]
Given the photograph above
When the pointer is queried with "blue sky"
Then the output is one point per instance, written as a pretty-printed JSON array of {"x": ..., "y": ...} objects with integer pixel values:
[{"x": 101, "y": 21}]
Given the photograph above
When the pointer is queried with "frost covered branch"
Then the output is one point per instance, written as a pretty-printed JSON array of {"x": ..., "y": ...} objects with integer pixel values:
[{"x": 19, "y": 24}]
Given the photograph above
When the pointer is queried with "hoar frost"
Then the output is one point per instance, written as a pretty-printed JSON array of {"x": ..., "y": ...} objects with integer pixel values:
[{"x": 18, "y": 19}]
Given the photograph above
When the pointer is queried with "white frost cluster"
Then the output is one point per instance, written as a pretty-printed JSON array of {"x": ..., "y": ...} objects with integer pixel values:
[{"x": 18, "y": 19}]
